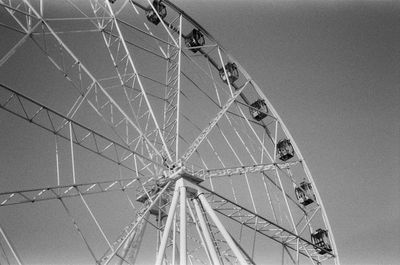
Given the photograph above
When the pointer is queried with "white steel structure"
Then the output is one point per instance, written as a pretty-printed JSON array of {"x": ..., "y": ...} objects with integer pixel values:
[{"x": 155, "y": 145}]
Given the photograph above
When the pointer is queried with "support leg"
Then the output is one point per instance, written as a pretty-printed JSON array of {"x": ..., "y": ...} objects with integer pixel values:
[
  {"x": 171, "y": 214},
  {"x": 222, "y": 229},
  {"x": 206, "y": 234},
  {"x": 182, "y": 234}
]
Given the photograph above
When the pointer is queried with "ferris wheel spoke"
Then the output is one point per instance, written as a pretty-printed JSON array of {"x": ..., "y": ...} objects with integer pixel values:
[
  {"x": 67, "y": 191},
  {"x": 286, "y": 202},
  {"x": 279, "y": 188},
  {"x": 242, "y": 95},
  {"x": 124, "y": 63},
  {"x": 290, "y": 255},
  {"x": 211, "y": 125},
  {"x": 248, "y": 258},
  {"x": 245, "y": 128},
  {"x": 129, "y": 229},
  {"x": 172, "y": 85},
  {"x": 82, "y": 75},
  {"x": 260, "y": 142},
  {"x": 232, "y": 171},
  {"x": 20, "y": 12},
  {"x": 149, "y": 34},
  {"x": 308, "y": 220},
  {"x": 10, "y": 27},
  {"x": 198, "y": 129},
  {"x": 133, "y": 44},
  {"x": 101, "y": 230},
  {"x": 245, "y": 174},
  {"x": 166, "y": 26},
  {"x": 131, "y": 248},
  {"x": 77, "y": 228},
  {"x": 264, "y": 227},
  {"x": 226, "y": 115},
  {"x": 245, "y": 138},
  {"x": 170, "y": 109},
  {"x": 18, "y": 44},
  {"x": 50, "y": 120},
  {"x": 232, "y": 85},
  {"x": 10, "y": 247},
  {"x": 26, "y": 21},
  {"x": 243, "y": 145}
]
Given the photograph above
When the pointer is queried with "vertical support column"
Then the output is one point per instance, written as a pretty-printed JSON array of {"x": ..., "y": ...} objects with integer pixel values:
[
  {"x": 41, "y": 7},
  {"x": 57, "y": 163},
  {"x": 297, "y": 251},
  {"x": 167, "y": 228},
  {"x": 182, "y": 233},
  {"x": 178, "y": 109},
  {"x": 222, "y": 229},
  {"x": 254, "y": 239},
  {"x": 207, "y": 237},
  {"x": 159, "y": 222},
  {"x": 72, "y": 152},
  {"x": 174, "y": 241}
]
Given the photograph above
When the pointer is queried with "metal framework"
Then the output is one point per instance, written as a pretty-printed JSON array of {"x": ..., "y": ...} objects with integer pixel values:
[{"x": 156, "y": 154}]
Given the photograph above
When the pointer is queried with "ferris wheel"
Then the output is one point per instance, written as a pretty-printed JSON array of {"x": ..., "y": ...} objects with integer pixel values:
[{"x": 135, "y": 138}]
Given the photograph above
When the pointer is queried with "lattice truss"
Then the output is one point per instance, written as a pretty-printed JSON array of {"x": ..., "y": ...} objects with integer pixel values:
[{"x": 153, "y": 145}]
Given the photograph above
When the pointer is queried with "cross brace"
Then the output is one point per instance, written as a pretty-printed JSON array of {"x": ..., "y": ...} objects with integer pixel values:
[
  {"x": 225, "y": 172},
  {"x": 65, "y": 191},
  {"x": 54, "y": 122},
  {"x": 263, "y": 226}
]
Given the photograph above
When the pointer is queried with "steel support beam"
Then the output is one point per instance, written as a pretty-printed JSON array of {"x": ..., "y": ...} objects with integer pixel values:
[
  {"x": 182, "y": 227},
  {"x": 167, "y": 227},
  {"x": 222, "y": 229},
  {"x": 196, "y": 143},
  {"x": 65, "y": 191},
  {"x": 206, "y": 234},
  {"x": 56, "y": 123}
]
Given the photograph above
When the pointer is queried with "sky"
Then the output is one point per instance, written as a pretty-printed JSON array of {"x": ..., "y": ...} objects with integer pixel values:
[{"x": 331, "y": 70}]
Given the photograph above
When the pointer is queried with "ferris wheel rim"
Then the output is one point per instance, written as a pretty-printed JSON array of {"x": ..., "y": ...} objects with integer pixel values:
[
  {"x": 297, "y": 149},
  {"x": 260, "y": 92}
]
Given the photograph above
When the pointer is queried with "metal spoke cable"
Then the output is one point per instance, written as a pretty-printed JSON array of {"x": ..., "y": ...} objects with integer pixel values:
[
  {"x": 201, "y": 110},
  {"x": 234, "y": 128},
  {"x": 236, "y": 151},
  {"x": 246, "y": 131},
  {"x": 3, "y": 252},
  {"x": 215, "y": 152},
  {"x": 114, "y": 59},
  {"x": 240, "y": 162},
  {"x": 54, "y": 116},
  {"x": 76, "y": 226},
  {"x": 95, "y": 220},
  {"x": 255, "y": 133},
  {"x": 81, "y": 11},
  {"x": 76, "y": 87}
]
